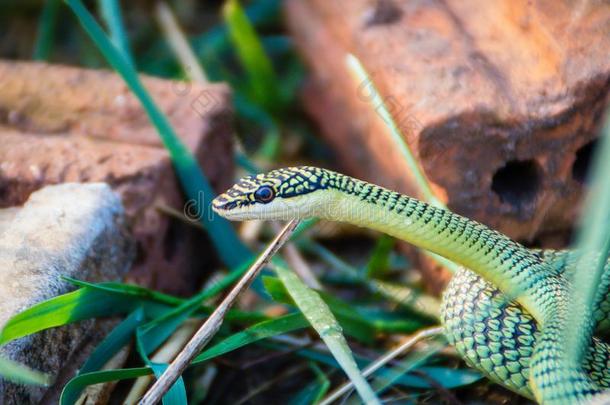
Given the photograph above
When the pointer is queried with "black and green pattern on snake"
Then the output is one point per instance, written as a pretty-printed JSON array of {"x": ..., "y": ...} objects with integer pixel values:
[{"x": 503, "y": 311}]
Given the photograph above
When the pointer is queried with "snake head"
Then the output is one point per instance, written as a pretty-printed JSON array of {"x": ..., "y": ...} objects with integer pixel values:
[{"x": 280, "y": 194}]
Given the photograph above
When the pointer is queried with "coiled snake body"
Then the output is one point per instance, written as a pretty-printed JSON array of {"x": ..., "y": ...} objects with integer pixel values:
[{"x": 503, "y": 311}]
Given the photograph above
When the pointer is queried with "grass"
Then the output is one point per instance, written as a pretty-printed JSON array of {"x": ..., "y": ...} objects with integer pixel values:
[
  {"x": 47, "y": 24},
  {"x": 592, "y": 250},
  {"x": 366, "y": 305},
  {"x": 231, "y": 250}
]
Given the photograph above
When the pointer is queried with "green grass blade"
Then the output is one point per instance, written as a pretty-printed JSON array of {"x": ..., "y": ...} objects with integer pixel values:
[
  {"x": 72, "y": 390},
  {"x": 216, "y": 40},
  {"x": 379, "y": 105},
  {"x": 84, "y": 303},
  {"x": 405, "y": 296},
  {"x": 257, "y": 64},
  {"x": 355, "y": 325},
  {"x": 592, "y": 248},
  {"x": 177, "y": 393},
  {"x": 314, "y": 391},
  {"x": 131, "y": 290},
  {"x": 111, "y": 13},
  {"x": 231, "y": 250},
  {"x": 387, "y": 376},
  {"x": 449, "y": 378},
  {"x": 273, "y": 327},
  {"x": 151, "y": 335},
  {"x": 379, "y": 262},
  {"x": 45, "y": 36},
  {"x": 322, "y": 320},
  {"x": 178, "y": 43},
  {"x": 146, "y": 296},
  {"x": 359, "y": 323},
  {"x": 116, "y": 339},
  {"x": 21, "y": 374},
  {"x": 409, "y": 298},
  {"x": 250, "y": 111},
  {"x": 262, "y": 330}
]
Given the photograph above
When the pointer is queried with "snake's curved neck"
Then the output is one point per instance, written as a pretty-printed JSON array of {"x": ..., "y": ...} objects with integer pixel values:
[{"x": 488, "y": 253}]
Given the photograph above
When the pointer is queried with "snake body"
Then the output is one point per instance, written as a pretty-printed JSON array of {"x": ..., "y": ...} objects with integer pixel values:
[{"x": 503, "y": 311}]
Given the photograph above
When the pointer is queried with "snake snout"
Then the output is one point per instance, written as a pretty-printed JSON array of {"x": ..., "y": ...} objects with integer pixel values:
[{"x": 222, "y": 204}]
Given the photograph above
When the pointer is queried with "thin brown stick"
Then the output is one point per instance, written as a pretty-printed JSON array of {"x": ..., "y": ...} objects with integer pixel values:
[
  {"x": 213, "y": 323},
  {"x": 178, "y": 43},
  {"x": 174, "y": 213},
  {"x": 383, "y": 360},
  {"x": 166, "y": 353}
]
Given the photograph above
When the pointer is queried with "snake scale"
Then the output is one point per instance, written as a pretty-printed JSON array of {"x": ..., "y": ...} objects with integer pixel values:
[{"x": 503, "y": 310}]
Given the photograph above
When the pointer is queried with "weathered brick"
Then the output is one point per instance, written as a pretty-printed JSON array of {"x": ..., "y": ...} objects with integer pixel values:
[
  {"x": 65, "y": 124},
  {"x": 499, "y": 101}
]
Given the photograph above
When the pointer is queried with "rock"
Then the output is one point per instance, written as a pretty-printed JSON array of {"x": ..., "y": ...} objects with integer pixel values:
[
  {"x": 74, "y": 230},
  {"x": 65, "y": 124},
  {"x": 500, "y": 102}
]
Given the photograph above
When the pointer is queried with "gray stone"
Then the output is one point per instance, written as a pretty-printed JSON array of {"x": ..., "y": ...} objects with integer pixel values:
[{"x": 75, "y": 230}]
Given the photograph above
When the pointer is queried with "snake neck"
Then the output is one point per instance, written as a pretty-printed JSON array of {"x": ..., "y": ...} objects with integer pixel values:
[{"x": 511, "y": 267}]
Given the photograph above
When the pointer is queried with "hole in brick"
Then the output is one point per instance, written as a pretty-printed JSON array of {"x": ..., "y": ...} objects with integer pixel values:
[
  {"x": 384, "y": 12},
  {"x": 517, "y": 183},
  {"x": 584, "y": 155}
]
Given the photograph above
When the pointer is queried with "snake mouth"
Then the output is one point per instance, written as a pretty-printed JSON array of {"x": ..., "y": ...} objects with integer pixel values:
[{"x": 222, "y": 204}]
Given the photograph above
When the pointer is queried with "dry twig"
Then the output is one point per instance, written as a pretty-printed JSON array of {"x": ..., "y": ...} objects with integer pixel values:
[
  {"x": 382, "y": 361},
  {"x": 213, "y": 323}
]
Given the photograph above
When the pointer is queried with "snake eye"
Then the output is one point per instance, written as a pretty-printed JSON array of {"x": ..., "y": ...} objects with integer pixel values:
[{"x": 264, "y": 194}]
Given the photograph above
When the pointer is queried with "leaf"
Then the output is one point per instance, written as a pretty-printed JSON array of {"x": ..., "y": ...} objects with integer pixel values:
[
  {"x": 379, "y": 262},
  {"x": 388, "y": 376},
  {"x": 322, "y": 320},
  {"x": 47, "y": 26},
  {"x": 111, "y": 13},
  {"x": 361, "y": 323},
  {"x": 249, "y": 111},
  {"x": 116, "y": 339},
  {"x": 446, "y": 377},
  {"x": 378, "y": 104},
  {"x": 259, "y": 13},
  {"x": 391, "y": 322},
  {"x": 84, "y": 303},
  {"x": 592, "y": 248},
  {"x": 152, "y": 334},
  {"x": 408, "y": 298},
  {"x": 262, "y": 330},
  {"x": 176, "y": 395},
  {"x": 314, "y": 391},
  {"x": 72, "y": 390},
  {"x": 355, "y": 325},
  {"x": 19, "y": 373},
  {"x": 278, "y": 326},
  {"x": 252, "y": 56}
]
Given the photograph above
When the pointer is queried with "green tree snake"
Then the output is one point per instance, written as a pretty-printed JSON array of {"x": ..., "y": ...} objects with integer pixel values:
[{"x": 503, "y": 310}]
